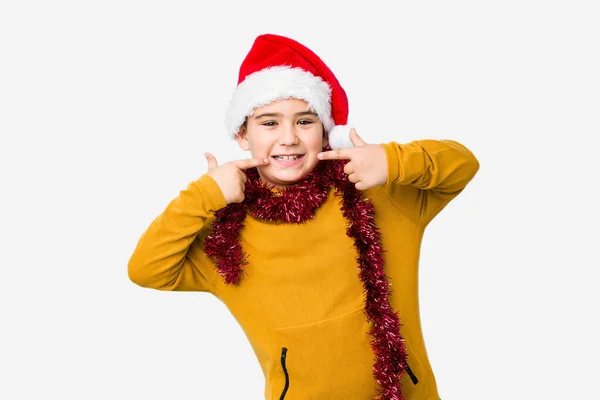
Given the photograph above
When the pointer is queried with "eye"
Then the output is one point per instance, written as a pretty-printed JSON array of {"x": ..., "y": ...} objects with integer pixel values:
[
  {"x": 306, "y": 122},
  {"x": 269, "y": 123}
]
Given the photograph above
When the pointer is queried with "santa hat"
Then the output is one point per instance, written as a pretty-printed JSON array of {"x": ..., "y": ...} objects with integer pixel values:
[{"x": 277, "y": 67}]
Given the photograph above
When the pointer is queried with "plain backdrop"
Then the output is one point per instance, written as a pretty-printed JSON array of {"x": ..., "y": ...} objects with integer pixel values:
[{"x": 106, "y": 108}]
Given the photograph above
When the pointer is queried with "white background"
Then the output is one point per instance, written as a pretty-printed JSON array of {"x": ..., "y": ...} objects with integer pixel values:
[{"x": 105, "y": 111}]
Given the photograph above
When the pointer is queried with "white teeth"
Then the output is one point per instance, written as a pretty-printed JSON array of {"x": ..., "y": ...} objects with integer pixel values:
[{"x": 287, "y": 157}]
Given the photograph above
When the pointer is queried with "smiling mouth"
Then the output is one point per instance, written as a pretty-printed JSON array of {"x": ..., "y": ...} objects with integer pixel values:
[{"x": 289, "y": 158}]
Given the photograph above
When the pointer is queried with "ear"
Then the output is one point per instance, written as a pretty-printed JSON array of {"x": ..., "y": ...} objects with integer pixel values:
[{"x": 242, "y": 138}]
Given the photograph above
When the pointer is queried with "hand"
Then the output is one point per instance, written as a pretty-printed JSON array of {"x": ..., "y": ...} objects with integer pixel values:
[
  {"x": 368, "y": 162},
  {"x": 230, "y": 176}
]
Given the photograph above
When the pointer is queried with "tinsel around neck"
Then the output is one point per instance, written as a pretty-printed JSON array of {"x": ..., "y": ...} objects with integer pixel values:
[{"x": 297, "y": 204}]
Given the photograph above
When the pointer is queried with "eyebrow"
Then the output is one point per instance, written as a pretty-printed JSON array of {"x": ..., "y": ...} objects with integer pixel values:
[{"x": 301, "y": 113}]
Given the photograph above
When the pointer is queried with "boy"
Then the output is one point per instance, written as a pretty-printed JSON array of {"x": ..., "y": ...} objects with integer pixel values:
[{"x": 302, "y": 242}]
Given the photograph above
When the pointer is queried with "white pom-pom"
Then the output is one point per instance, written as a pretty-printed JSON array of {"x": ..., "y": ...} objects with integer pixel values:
[{"x": 339, "y": 137}]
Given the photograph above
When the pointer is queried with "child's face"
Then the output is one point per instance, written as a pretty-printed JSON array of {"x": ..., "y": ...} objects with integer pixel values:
[{"x": 289, "y": 134}]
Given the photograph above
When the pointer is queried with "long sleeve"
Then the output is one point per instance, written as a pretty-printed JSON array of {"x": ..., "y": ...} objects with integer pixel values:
[
  {"x": 425, "y": 175},
  {"x": 160, "y": 259}
]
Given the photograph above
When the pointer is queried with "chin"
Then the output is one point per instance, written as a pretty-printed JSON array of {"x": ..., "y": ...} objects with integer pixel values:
[{"x": 286, "y": 178}]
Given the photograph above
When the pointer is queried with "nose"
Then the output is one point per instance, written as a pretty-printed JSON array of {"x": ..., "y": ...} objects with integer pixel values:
[{"x": 288, "y": 135}]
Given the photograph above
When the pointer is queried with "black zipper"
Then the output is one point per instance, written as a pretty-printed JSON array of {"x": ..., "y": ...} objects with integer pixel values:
[
  {"x": 409, "y": 371},
  {"x": 413, "y": 377},
  {"x": 287, "y": 377}
]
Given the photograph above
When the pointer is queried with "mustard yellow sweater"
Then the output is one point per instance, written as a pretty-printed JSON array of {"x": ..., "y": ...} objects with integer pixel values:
[{"x": 301, "y": 290}]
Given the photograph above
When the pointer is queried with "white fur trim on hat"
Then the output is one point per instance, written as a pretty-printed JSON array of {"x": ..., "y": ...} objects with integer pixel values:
[
  {"x": 275, "y": 83},
  {"x": 339, "y": 137}
]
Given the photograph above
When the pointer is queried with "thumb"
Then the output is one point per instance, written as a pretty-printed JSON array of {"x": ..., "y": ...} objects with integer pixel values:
[
  {"x": 212, "y": 161},
  {"x": 356, "y": 140}
]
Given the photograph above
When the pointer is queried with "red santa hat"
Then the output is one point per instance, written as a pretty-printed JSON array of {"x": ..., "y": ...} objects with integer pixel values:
[{"x": 277, "y": 67}]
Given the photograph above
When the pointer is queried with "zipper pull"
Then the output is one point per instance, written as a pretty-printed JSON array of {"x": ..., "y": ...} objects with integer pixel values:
[
  {"x": 412, "y": 376},
  {"x": 287, "y": 377}
]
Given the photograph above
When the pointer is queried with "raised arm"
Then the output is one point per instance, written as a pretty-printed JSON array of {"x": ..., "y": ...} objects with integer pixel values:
[
  {"x": 160, "y": 260},
  {"x": 425, "y": 175}
]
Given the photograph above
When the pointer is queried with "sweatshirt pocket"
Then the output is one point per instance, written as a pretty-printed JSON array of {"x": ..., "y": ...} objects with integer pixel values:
[{"x": 329, "y": 359}]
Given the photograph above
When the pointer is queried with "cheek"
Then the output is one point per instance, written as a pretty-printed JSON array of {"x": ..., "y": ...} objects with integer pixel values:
[
  {"x": 318, "y": 143},
  {"x": 260, "y": 143},
  {"x": 315, "y": 140}
]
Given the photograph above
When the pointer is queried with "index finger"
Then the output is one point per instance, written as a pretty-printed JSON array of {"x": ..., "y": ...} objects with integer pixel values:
[
  {"x": 250, "y": 163},
  {"x": 339, "y": 154}
]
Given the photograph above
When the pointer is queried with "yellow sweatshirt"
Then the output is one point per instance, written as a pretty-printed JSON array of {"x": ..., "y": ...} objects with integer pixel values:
[{"x": 301, "y": 301}]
